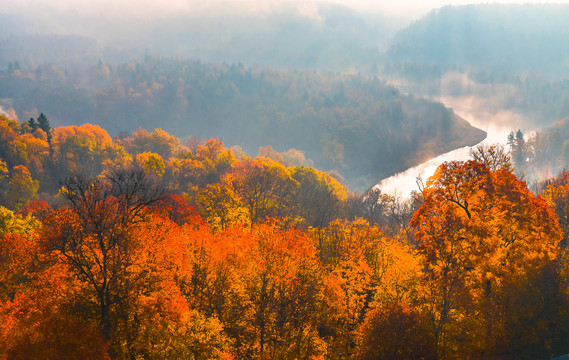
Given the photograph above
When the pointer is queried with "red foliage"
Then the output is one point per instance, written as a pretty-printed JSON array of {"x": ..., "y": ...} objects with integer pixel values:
[
  {"x": 38, "y": 208},
  {"x": 177, "y": 209}
]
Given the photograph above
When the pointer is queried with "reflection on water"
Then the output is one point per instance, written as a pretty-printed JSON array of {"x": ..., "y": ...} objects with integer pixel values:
[{"x": 497, "y": 126}]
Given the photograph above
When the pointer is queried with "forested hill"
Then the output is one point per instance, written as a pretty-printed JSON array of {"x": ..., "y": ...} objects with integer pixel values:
[
  {"x": 319, "y": 36},
  {"x": 511, "y": 38},
  {"x": 358, "y": 126}
]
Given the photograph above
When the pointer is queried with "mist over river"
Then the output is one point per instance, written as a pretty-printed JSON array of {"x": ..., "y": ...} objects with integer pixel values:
[{"x": 496, "y": 124}]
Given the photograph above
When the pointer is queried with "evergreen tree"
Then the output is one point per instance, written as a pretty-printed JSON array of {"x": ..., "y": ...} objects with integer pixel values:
[
  {"x": 33, "y": 124},
  {"x": 43, "y": 123}
]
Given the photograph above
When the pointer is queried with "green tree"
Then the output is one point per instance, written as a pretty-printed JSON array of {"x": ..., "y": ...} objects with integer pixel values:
[
  {"x": 33, "y": 124},
  {"x": 43, "y": 123}
]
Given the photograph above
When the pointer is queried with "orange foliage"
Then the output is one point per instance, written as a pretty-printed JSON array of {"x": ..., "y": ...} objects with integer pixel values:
[
  {"x": 557, "y": 196},
  {"x": 38, "y": 209},
  {"x": 478, "y": 231},
  {"x": 177, "y": 209},
  {"x": 44, "y": 323},
  {"x": 394, "y": 333},
  {"x": 92, "y": 132},
  {"x": 158, "y": 141},
  {"x": 17, "y": 255}
]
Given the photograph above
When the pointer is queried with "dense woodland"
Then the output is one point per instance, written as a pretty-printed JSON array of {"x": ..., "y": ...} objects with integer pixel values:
[
  {"x": 140, "y": 247},
  {"x": 539, "y": 100},
  {"x": 274, "y": 89},
  {"x": 360, "y": 127}
]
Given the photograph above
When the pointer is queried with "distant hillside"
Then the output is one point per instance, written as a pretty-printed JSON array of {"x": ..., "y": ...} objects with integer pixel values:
[
  {"x": 511, "y": 38},
  {"x": 328, "y": 37},
  {"x": 546, "y": 152},
  {"x": 358, "y": 126}
]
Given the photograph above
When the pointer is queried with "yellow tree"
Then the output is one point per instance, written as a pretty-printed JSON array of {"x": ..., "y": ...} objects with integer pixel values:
[
  {"x": 319, "y": 196},
  {"x": 18, "y": 247},
  {"x": 281, "y": 283},
  {"x": 205, "y": 167},
  {"x": 114, "y": 158},
  {"x": 264, "y": 186},
  {"x": 348, "y": 251},
  {"x": 152, "y": 163},
  {"x": 220, "y": 206},
  {"x": 22, "y": 188},
  {"x": 216, "y": 158},
  {"x": 397, "y": 275},
  {"x": 79, "y": 149}
]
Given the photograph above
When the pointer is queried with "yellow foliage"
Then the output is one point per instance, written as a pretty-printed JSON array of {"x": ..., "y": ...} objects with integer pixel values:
[{"x": 152, "y": 163}]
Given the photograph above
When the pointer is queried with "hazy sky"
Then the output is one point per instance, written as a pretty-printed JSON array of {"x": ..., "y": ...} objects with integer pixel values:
[{"x": 412, "y": 8}]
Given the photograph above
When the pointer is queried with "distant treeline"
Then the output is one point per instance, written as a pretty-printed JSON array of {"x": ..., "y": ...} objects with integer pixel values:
[{"x": 541, "y": 99}]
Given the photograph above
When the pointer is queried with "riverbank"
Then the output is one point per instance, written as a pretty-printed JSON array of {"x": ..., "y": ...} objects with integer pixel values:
[{"x": 497, "y": 126}]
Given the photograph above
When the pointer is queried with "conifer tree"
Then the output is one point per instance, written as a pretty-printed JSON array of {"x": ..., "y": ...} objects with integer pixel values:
[
  {"x": 43, "y": 123},
  {"x": 33, "y": 124}
]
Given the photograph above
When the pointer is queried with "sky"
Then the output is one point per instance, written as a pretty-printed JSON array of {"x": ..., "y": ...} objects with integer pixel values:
[
  {"x": 420, "y": 6},
  {"x": 413, "y": 8}
]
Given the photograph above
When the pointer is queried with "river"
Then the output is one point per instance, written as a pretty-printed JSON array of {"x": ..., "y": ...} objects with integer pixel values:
[{"x": 497, "y": 126}]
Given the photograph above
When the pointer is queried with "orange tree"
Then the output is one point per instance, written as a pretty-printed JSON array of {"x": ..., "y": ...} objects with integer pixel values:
[
  {"x": 556, "y": 194},
  {"x": 395, "y": 333},
  {"x": 479, "y": 232},
  {"x": 94, "y": 236},
  {"x": 263, "y": 283}
]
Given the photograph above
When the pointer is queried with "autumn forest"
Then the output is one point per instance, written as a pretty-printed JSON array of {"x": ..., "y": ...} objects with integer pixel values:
[
  {"x": 150, "y": 248},
  {"x": 204, "y": 180}
]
